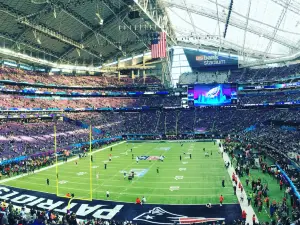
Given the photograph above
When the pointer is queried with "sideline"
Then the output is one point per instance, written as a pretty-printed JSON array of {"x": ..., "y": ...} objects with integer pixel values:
[
  {"x": 244, "y": 205},
  {"x": 54, "y": 165}
]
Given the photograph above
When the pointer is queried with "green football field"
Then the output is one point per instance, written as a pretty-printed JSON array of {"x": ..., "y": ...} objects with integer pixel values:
[{"x": 189, "y": 181}]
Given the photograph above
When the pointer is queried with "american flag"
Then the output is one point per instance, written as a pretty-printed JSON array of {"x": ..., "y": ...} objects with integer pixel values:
[{"x": 159, "y": 45}]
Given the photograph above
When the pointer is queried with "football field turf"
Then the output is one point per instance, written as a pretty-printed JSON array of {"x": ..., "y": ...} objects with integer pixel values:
[{"x": 189, "y": 181}]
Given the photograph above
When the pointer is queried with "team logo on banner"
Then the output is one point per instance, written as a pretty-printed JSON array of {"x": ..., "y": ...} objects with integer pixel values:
[
  {"x": 159, "y": 216},
  {"x": 199, "y": 57}
]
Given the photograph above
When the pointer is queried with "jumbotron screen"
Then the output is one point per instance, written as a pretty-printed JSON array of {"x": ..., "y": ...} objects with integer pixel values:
[{"x": 212, "y": 94}]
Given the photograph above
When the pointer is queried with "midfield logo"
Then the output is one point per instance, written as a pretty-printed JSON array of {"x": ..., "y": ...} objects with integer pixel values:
[{"x": 159, "y": 216}]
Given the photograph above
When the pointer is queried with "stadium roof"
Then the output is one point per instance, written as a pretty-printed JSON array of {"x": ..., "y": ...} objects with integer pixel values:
[
  {"x": 77, "y": 31},
  {"x": 86, "y": 32},
  {"x": 260, "y": 28}
]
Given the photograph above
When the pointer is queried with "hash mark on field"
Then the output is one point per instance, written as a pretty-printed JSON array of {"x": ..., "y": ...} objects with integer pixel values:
[
  {"x": 81, "y": 173},
  {"x": 178, "y": 177},
  {"x": 185, "y": 163},
  {"x": 174, "y": 188},
  {"x": 63, "y": 182},
  {"x": 182, "y": 169}
]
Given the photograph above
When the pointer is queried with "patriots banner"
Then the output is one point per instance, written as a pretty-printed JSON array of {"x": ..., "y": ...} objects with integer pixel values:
[
  {"x": 159, "y": 45},
  {"x": 146, "y": 214}
]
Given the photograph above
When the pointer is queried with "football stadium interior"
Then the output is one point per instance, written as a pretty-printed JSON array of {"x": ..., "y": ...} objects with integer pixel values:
[{"x": 140, "y": 112}]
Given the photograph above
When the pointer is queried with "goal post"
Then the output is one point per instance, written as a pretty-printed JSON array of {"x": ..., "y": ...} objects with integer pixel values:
[
  {"x": 90, "y": 158},
  {"x": 63, "y": 186}
]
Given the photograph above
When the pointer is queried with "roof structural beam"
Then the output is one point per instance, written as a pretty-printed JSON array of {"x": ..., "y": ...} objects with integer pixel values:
[
  {"x": 31, "y": 46},
  {"x": 257, "y": 21},
  {"x": 219, "y": 27},
  {"x": 41, "y": 28},
  {"x": 35, "y": 17},
  {"x": 88, "y": 25},
  {"x": 51, "y": 33},
  {"x": 200, "y": 10},
  {"x": 280, "y": 19},
  {"x": 228, "y": 18},
  {"x": 191, "y": 18},
  {"x": 160, "y": 20},
  {"x": 114, "y": 10},
  {"x": 245, "y": 31},
  {"x": 110, "y": 20},
  {"x": 292, "y": 7}
]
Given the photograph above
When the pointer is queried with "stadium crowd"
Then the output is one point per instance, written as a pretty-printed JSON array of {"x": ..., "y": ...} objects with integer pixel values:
[
  {"x": 243, "y": 153},
  {"x": 273, "y": 131},
  {"x": 27, "y": 138},
  {"x": 13, "y": 101},
  {"x": 264, "y": 74},
  {"x": 269, "y": 97},
  {"x": 10, "y": 215},
  {"x": 17, "y": 75}
]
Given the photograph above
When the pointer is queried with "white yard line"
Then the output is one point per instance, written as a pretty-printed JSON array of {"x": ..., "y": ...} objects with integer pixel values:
[
  {"x": 244, "y": 205},
  {"x": 52, "y": 166}
]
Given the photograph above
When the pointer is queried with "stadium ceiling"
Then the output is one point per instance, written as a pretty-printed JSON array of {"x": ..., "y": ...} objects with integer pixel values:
[
  {"x": 81, "y": 32},
  {"x": 252, "y": 29}
]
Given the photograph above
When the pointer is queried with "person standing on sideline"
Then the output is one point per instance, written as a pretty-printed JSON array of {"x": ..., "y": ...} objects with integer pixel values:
[
  {"x": 180, "y": 157},
  {"x": 280, "y": 184},
  {"x": 143, "y": 200},
  {"x": 157, "y": 170},
  {"x": 107, "y": 194},
  {"x": 138, "y": 201},
  {"x": 253, "y": 219},
  {"x": 105, "y": 166},
  {"x": 190, "y": 155},
  {"x": 221, "y": 200},
  {"x": 244, "y": 215},
  {"x": 234, "y": 189},
  {"x": 249, "y": 198},
  {"x": 48, "y": 182},
  {"x": 223, "y": 182}
]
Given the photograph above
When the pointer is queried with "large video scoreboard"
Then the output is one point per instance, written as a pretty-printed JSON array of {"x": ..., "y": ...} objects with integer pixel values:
[{"x": 212, "y": 94}]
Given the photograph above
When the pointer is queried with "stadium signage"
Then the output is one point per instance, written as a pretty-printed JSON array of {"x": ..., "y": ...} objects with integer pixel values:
[
  {"x": 59, "y": 205},
  {"x": 210, "y": 60},
  {"x": 121, "y": 211}
]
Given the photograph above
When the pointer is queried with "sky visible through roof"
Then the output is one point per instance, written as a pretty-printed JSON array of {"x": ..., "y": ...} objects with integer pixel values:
[{"x": 266, "y": 28}]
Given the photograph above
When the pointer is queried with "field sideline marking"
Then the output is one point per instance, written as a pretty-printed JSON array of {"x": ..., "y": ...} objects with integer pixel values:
[
  {"x": 244, "y": 205},
  {"x": 61, "y": 163},
  {"x": 42, "y": 184},
  {"x": 171, "y": 182}
]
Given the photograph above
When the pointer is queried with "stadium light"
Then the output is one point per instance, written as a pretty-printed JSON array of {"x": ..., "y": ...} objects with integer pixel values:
[{"x": 22, "y": 56}]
